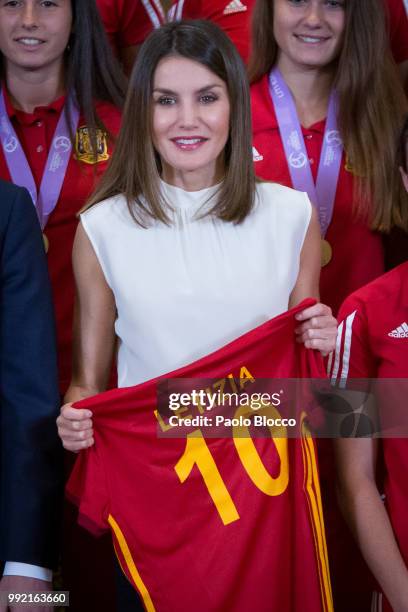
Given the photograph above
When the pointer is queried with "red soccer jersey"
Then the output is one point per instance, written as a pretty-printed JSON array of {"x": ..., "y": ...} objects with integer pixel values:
[
  {"x": 373, "y": 343},
  {"x": 35, "y": 132},
  {"x": 357, "y": 252},
  {"x": 241, "y": 530},
  {"x": 234, "y": 17},
  {"x": 129, "y": 22},
  {"x": 373, "y": 333}
]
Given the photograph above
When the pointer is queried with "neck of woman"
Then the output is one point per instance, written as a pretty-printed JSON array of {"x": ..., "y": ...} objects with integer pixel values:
[
  {"x": 310, "y": 88},
  {"x": 31, "y": 88},
  {"x": 194, "y": 180}
]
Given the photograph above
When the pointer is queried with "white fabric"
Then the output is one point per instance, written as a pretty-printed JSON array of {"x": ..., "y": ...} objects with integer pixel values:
[
  {"x": 186, "y": 290},
  {"x": 13, "y": 568}
]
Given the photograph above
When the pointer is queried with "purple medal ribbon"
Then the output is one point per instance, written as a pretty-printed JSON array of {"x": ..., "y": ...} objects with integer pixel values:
[
  {"x": 56, "y": 166},
  {"x": 323, "y": 193}
]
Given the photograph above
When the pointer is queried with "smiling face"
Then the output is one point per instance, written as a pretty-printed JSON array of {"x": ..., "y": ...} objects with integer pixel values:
[
  {"x": 191, "y": 115},
  {"x": 34, "y": 33},
  {"x": 309, "y": 33}
]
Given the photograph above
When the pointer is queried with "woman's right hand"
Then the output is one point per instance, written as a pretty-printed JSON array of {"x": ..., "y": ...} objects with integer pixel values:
[{"x": 75, "y": 428}]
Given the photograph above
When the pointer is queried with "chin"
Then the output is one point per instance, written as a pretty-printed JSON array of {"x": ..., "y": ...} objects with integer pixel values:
[
  {"x": 190, "y": 168},
  {"x": 315, "y": 60},
  {"x": 191, "y": 165},
  {"x": 30, "y": 63}
]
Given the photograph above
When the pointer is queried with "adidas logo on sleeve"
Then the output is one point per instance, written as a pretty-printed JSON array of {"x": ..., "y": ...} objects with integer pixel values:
[
  {"x": 235, "y": 6},
  {"x": 400, "y": 332},
  {"x": 370, "y": 344}
]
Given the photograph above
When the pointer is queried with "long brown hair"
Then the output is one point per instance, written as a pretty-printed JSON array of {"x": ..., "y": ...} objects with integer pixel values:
[
  {"x": 372, "y": 105},
  {"x": 135, "y": 166}
]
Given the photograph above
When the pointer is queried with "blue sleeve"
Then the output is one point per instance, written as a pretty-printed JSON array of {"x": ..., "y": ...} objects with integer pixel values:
[{"x": 30, "y": 452}]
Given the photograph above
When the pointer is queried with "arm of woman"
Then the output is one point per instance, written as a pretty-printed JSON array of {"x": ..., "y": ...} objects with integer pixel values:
[
  {"x": 366, "y": 514},
  {"x": 94, "y": 342},
  {"x": 318, "y": 329}
]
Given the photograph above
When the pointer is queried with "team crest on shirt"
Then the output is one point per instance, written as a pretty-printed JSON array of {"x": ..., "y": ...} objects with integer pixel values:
[{"x": 83, "y": 147}]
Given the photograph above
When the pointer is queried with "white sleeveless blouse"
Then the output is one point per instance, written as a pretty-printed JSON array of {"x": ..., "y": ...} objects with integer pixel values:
[{"x": 184, "y": 291}]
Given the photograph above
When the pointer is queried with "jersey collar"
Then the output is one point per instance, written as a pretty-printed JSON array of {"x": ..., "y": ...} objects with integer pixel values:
[{"x": 40, "y": 112}]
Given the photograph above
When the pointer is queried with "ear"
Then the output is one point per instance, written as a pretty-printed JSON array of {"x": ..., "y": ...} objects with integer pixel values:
[{"x": 404, "y": 176}]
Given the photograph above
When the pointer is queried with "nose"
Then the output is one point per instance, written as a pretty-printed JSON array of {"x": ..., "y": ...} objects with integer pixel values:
[
  {"x": 188, "y": 114},
  {"x": 29, "y": 18},
  {"x": 314, "y": 14}
]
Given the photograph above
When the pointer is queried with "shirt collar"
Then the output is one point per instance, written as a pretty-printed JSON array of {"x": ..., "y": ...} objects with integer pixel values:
[{"x": 40, "y": 112}]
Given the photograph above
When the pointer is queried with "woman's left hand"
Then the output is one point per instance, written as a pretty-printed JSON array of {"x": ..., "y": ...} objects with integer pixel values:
[{"x": 318, "y": 329}]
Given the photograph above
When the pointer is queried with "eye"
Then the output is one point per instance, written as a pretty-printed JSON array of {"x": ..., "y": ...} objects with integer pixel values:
[
  {"x": 48, "y": 3},
  {"x": 335, "y": 3},
  {"x": 165, "y": 101},
  {"x": 208, "y": 98},
  {"x": 11, "y": 4}
]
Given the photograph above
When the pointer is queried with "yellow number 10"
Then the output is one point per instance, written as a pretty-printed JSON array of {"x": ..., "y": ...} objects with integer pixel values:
[{"x": 197, "y": 453}]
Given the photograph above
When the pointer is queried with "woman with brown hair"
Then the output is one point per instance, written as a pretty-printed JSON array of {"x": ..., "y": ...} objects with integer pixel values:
[
  {"x": 61, "y": 99},
  {"x": 318, "y": 59},
  {"x": 327, "y": 108},
  {"x": 178, "y": 224},
  {"x": 181, "y": 182}
]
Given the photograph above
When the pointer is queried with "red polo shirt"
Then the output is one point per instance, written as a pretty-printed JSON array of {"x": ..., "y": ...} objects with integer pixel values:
[
  {"x": 35, "y": 131},
  {"x": 373, "y": 339},
  {"x": 357, "y": 251},
  {"x": 233, "y": 16},
  {"x": 129, "y": 22}
]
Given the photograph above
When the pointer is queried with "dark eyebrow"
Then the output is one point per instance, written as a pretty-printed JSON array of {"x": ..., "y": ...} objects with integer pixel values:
[{"x": 162, "y": 90}]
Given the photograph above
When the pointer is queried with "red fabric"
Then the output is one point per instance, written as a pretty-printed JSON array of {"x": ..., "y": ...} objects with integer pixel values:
[
  {"x": 188, "y": 559},
  {"x": 398, "y": 25},
  {"x": 371, "y": 314},
  {"x": 357, "y": 252},
  {"x": 228, "y": 15},
  {"x": 380, "y": 307},
  {"x": 129, "y": 22},
  {"x": 36, "y": 130}
]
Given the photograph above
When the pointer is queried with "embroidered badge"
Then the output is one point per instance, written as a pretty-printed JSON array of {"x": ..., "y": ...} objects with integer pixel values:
[{"x": 83, "y": 147}]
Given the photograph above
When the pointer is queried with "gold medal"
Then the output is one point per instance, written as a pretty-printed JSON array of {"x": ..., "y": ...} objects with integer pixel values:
[
  {"x": 46, "y": 243},
  {"x": 327, "y": 252}
]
